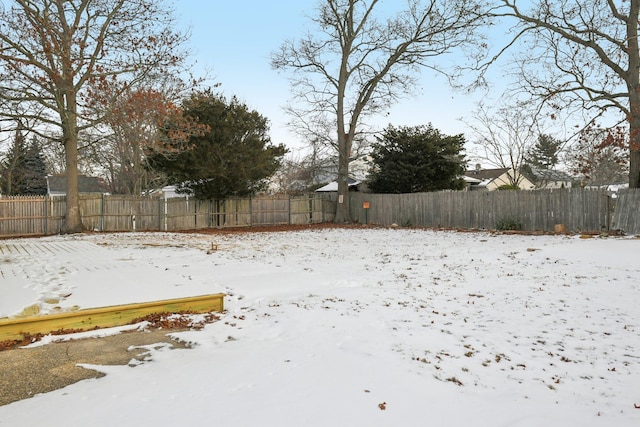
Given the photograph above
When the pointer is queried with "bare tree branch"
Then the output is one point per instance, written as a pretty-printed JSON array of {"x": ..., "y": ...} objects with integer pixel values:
[
  {"x": 582, "y": 56},
  {"x": 356, "y": 65},
  {"x": 504, "y": 136},
  {"x": 57, "y": 56}
]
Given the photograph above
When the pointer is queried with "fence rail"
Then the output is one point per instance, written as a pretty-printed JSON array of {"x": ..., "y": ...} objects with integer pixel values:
[{"x": 579, "y": 210}]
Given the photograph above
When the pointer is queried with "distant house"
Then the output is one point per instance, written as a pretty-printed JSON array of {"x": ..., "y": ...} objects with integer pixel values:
[
  {"x": 298, "y": 178},
  {"x": 354, "y": 185},
  {"x": 57, "y": 185},
  {"x": 545, "y": 178},
  {"x": 493, "y": 179},
  {"x": 471, "y": 182},
  {"x": 358, "y": 175},
  {"x": 169, "y": 191}
]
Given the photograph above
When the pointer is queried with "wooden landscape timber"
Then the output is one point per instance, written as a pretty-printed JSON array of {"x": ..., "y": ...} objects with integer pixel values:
[{"x": 105, "y": 317}]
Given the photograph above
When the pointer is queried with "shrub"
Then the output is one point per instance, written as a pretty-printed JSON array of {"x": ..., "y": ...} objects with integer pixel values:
[{"x": 508, "y": 224}]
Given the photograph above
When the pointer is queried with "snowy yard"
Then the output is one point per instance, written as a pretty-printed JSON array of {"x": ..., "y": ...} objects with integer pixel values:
[{"x": 350, "y": 327}]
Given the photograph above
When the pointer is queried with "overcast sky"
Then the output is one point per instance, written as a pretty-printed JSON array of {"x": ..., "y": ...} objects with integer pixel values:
[{"x": 234, "y": 40}]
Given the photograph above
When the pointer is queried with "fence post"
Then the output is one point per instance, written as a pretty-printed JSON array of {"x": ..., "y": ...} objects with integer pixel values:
[
  {"x": 46, "y": 215},
  {"x": 236, "y": 207},
  {"x": 209, "y": 213},
  {"x": 102, "y": 212}
]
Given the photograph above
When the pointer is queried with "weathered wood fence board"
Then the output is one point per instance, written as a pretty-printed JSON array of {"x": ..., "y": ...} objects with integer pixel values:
[
  {"x": 23, "y": 216},
  {"x": 31, "y": 215},
  {"x": 626, "y": 215},
  {"x": 580, "y": 210},
  {"x": 307, "y": 210},
  {"x": 270, "y": 210}
]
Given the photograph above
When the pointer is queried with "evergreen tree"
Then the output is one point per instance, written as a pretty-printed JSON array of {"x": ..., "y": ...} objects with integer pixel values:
[
  {"x": 35, "y": 171},
  {"x": 544, "y": 154},
  {"x": 12, "y": 166},
  {"x": 23, "y": 170},
  {"x": 416, "y": 159},
  {"x": 232, "y": 155}
]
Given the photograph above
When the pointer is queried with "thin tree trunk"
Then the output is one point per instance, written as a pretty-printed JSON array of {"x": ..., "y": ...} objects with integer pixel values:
[{"x": 343, "y": 212}]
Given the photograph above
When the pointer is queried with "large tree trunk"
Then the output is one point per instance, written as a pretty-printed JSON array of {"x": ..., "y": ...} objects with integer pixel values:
[
  {"x": 633, "y": 87},
  {"x": 73, "y": 221},
  {"x": 634, "y": 128},
  {"x": 634, "y": 152},
  {"x": 343, "y": 212}
]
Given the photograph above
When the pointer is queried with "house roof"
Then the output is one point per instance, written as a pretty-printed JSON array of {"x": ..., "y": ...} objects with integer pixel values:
[
  {"x": 499, "y": 176},
  {"x": 57, "y": 184},
  {"x": 540, "y": 174},
  {"x": 333, "y": 186},
  {"x": 470, "y": 180},
  {"x": 486, "y": 174}
]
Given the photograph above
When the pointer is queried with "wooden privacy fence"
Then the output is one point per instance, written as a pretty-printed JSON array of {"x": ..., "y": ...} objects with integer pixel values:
[
  {"x": 626, "y": 216},
  {"x": 24, "y": 216},
  {"x": 30, "y": 215},
  {"x": 578, "y": 209}
]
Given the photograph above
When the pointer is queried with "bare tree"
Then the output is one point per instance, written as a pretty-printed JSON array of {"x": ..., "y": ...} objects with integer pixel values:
[
  {"x": 355, "y": 65},
  {"x": 504, "y": 136},
  {"x": 132, "y": 128},
  {"x": 56, "y": 56},
  {"x": 600, "y": 156},
  {"x": 583, "y": 55}
]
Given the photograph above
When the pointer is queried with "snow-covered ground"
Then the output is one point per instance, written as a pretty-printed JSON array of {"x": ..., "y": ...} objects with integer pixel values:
[{"x": 350, "y": 327}]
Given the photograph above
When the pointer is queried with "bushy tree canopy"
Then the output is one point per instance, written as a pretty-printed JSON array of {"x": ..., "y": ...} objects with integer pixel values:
[
  {"x": 416, "y": 159},
  {"x": 231, "y": 155}
]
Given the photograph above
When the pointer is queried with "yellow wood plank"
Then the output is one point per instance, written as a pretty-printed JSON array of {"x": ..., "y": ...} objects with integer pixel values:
[{"x": 105, "y": 317}]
